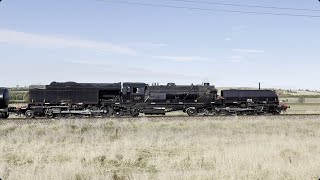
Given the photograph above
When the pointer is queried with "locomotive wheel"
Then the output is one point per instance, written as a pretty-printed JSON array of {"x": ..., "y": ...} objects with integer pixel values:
[
  {"x": 49, "y": 114},
  {"x": 134, "y": 113},
  {"x": 276, "y": 113},
  {"x": 29, "y": 114},
  {"x": 118, "y": 114},
  {"x": 107, "y": 111},
  {"x": 206, "y": 112},
  {"x": 191, "y": 112}
]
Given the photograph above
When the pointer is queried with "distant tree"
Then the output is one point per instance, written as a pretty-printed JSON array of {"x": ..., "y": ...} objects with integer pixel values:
[
  {"x": 301, "y": 100},
  {"x": 26, "y": 97}
]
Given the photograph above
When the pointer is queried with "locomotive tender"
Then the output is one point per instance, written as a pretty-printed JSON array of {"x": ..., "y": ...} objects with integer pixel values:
[
  {"x": 130, "y": 99},
  {"x": 4, "y": 102}
]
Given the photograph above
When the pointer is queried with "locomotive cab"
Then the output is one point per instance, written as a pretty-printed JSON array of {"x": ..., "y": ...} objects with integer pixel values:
[{"x": 133, "y": 92}]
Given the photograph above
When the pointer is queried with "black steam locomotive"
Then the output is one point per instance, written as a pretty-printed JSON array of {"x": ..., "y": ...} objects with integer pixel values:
[
  {"x": 4, "y": 102},
  {"x": 130, "y": 99}
]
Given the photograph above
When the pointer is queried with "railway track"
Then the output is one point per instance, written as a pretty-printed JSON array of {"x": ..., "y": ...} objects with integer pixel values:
[{"x": 44, "y": 120}]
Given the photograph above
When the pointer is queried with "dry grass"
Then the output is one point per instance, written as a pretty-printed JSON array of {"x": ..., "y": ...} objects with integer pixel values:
[
  {"x": 204, "y": 148},
  {"x": 304, "y": 108}
]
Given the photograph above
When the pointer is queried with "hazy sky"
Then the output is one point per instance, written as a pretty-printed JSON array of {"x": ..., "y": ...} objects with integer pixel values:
[{"x": 95, "y": 41}]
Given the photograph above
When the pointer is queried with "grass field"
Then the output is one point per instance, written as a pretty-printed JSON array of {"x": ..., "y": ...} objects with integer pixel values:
[
  {"x": 162, "y": 148},
  {"x": 304, "y": 108}
]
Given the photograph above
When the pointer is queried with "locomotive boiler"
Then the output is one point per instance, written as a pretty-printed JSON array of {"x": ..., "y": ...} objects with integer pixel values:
[{"x": 172, "y": 97}]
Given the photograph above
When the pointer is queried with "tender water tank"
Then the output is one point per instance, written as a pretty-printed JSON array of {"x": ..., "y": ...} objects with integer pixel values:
[{"x": 4, "y": 98}]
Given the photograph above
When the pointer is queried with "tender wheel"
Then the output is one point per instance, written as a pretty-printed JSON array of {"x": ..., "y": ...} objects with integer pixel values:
[
  {"x": 191, "y": 112},
  {"x": 4, "y": 115},
  {"x": 29, "y": 114}
]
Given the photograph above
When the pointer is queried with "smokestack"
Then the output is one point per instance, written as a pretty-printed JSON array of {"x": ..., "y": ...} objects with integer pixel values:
[{"x": 259, "y": 86}]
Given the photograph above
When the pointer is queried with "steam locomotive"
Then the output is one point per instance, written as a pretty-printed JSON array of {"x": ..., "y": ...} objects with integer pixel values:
[
  {"x": 71, "y": 99},
  {"x": 4, "y": 102}
]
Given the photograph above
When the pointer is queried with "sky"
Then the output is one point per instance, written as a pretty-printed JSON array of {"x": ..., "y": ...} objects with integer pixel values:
[{"x": 98, "y": 41}]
